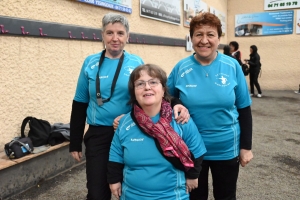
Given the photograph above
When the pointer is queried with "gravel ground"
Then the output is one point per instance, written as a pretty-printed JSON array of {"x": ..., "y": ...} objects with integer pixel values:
[{"x": 273, "y": 174}]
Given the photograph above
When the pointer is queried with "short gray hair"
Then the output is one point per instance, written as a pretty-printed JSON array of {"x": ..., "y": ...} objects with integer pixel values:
[{"x": 114, "y": 18}]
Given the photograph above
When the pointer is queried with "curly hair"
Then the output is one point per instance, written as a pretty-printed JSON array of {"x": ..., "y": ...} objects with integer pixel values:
[{"x": 205, "y": 18}]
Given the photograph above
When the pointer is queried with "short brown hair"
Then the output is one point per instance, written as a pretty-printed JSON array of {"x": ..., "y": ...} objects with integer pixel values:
[
  {"x": 153, "y": 71},
  {"x": 205, "y": 18}
]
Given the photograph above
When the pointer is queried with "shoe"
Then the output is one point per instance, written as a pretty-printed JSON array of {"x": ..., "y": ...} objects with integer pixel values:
[
  {"x": 259, "y": 96},
  {"x": 251, "y": 95}
]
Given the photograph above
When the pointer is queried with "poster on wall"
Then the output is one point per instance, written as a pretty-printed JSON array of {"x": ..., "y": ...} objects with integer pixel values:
[
  {"x": 281, "y": 4},
  {"x": 221, "y": 16},
  {"x": 298, "y": 22},
  {"x": 163, "y": 10},
  {"x": 203, "y": 7},
  {"x": 266, "y": 23},
  {"x": 119, "y": 5},
  {"x": 189, "y": 11},
  {"x": 192, "y": 8}
]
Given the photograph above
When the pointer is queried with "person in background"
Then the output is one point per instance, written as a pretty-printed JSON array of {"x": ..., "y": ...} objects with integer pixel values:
[
  {"x": 254, "y": 70},
  {"x": 226, "y": 51},
  {"x": 212, "y": 86},
  {"x": 101, "y": 95},
  {"x": 234, "y": 49},
  {"x": 151, "y": 155}
]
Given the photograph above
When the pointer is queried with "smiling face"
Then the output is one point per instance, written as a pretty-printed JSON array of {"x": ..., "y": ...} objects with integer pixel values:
[
  {"x": 115, "y": 38},
  {"x": 205, "y": 43},
  {"x": 148, "y": 97}
]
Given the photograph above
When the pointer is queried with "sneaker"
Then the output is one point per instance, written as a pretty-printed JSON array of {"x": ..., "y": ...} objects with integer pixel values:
[
  {"x": 259, "y": 96},
  {"x": 251, "y": 95}
]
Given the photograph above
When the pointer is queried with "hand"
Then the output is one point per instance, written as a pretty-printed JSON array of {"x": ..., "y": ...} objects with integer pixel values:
[
  {"x": 116, "y": 189},
  {"x": 245, "y": 157},
  {"x": 191, "y": 184},
  {"x": 116, "y": 121},
  {"x": 184, "y": 115},
  {"x": 76, "y": 155}
]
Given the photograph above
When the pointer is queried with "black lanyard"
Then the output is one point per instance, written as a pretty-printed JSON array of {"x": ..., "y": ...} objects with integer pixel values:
[{"x": 100, "y": 101}]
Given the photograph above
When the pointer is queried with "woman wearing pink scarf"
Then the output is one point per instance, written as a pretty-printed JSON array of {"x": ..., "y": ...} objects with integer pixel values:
[{"x": 152, "y": 156}]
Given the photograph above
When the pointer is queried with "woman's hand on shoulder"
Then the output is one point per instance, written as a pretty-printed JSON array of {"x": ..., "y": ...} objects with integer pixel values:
[
  {"x": 116, "y": 189},
  {"x": 245, "y": 157},
  {"x": 181, "y": 114},
  {"x": 116, "y": 121},
  {"x": 191, "y": 184}
]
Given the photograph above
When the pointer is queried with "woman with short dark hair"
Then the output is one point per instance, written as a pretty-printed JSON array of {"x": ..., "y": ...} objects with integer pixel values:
[
  {"x": 226, "y": 51},
  {"x": 234, "y": 49}
]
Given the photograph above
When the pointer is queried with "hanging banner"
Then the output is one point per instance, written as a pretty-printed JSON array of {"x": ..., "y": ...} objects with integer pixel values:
[
  {"x": 281, "y": 4},
  {"x": 189, "y": 11},
  {"x": 266, "y": 23},
  {"x": 119, "y": 5},
  {"x": 191, "y": 8},
  {"x": 298, "y": 22},
  {"x": 189, "y": 44},
  {"x": 221, "y": 16},
  {"x": 163, "y": 10}
]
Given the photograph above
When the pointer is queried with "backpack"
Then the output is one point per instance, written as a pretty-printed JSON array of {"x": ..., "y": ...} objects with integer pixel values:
[{"x": 39, "y": 130}]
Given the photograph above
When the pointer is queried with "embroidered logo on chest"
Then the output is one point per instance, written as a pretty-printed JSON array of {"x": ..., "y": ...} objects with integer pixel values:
[
  {"x": 222, "y": 80},
  {"x": 128, "y": 70}
]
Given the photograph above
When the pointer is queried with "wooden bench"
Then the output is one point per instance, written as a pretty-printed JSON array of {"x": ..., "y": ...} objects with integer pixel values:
[
  {"x": 18, "y": 175},
  {"x": 6, "y": 162}
]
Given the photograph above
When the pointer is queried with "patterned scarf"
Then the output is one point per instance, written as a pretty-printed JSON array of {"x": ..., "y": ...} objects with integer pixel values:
[{"x": 170, "y": 142}]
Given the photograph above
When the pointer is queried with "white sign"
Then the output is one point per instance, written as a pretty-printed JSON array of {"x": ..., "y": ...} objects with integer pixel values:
[
  {"x": 162, "y": 10},
  {"x": 221, "y": 16},
  {"x": 189, "y": 44},
  {"x": 298, "y": 22},
  {"x": 120, "y": 5},
  {"x": 281, "y": 4},
  {"x": 188, "y": 12}
]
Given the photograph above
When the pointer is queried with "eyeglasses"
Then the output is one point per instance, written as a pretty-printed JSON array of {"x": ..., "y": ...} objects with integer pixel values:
[{"x": 142, "y": 84}]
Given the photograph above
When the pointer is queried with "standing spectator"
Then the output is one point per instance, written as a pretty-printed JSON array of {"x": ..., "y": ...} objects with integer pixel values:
[
  {"x": 102, "y": 95},
  {"x": 254, "y": 70},
  {"x": 213, "y": 88},
  {"x": 234, "y": 49},
  {"x": 226, "y": 51}
]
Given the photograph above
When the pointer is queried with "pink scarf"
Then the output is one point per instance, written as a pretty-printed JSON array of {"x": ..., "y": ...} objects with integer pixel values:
[{"x": 170, "y": 142}]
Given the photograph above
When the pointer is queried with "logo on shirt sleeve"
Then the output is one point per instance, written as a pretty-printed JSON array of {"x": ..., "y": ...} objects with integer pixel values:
[{"x": 186, "y": 72}]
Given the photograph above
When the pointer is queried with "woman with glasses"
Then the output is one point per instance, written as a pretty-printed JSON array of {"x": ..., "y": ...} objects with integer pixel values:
[
  {"x": 151, "y": 155},
  {"x": 101, "y": 95}
]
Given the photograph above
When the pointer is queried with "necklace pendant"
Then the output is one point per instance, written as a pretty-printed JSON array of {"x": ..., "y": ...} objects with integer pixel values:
[{"x": 206, "y": 75}]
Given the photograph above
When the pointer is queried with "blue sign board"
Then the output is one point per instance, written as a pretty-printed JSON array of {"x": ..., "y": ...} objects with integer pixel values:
[
  {"x": 123, "y": 6},
  {"x": 266, "y": 23}
]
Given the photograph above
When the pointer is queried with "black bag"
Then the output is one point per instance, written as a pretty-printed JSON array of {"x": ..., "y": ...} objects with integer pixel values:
[
  {"x": 39, "y": 130},
  {"x": 245, "y": 69},
  {"x": 18, "y": 147}
]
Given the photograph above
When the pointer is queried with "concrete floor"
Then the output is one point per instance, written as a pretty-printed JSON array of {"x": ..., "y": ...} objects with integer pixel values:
[{"x": 273, "y": 174}]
